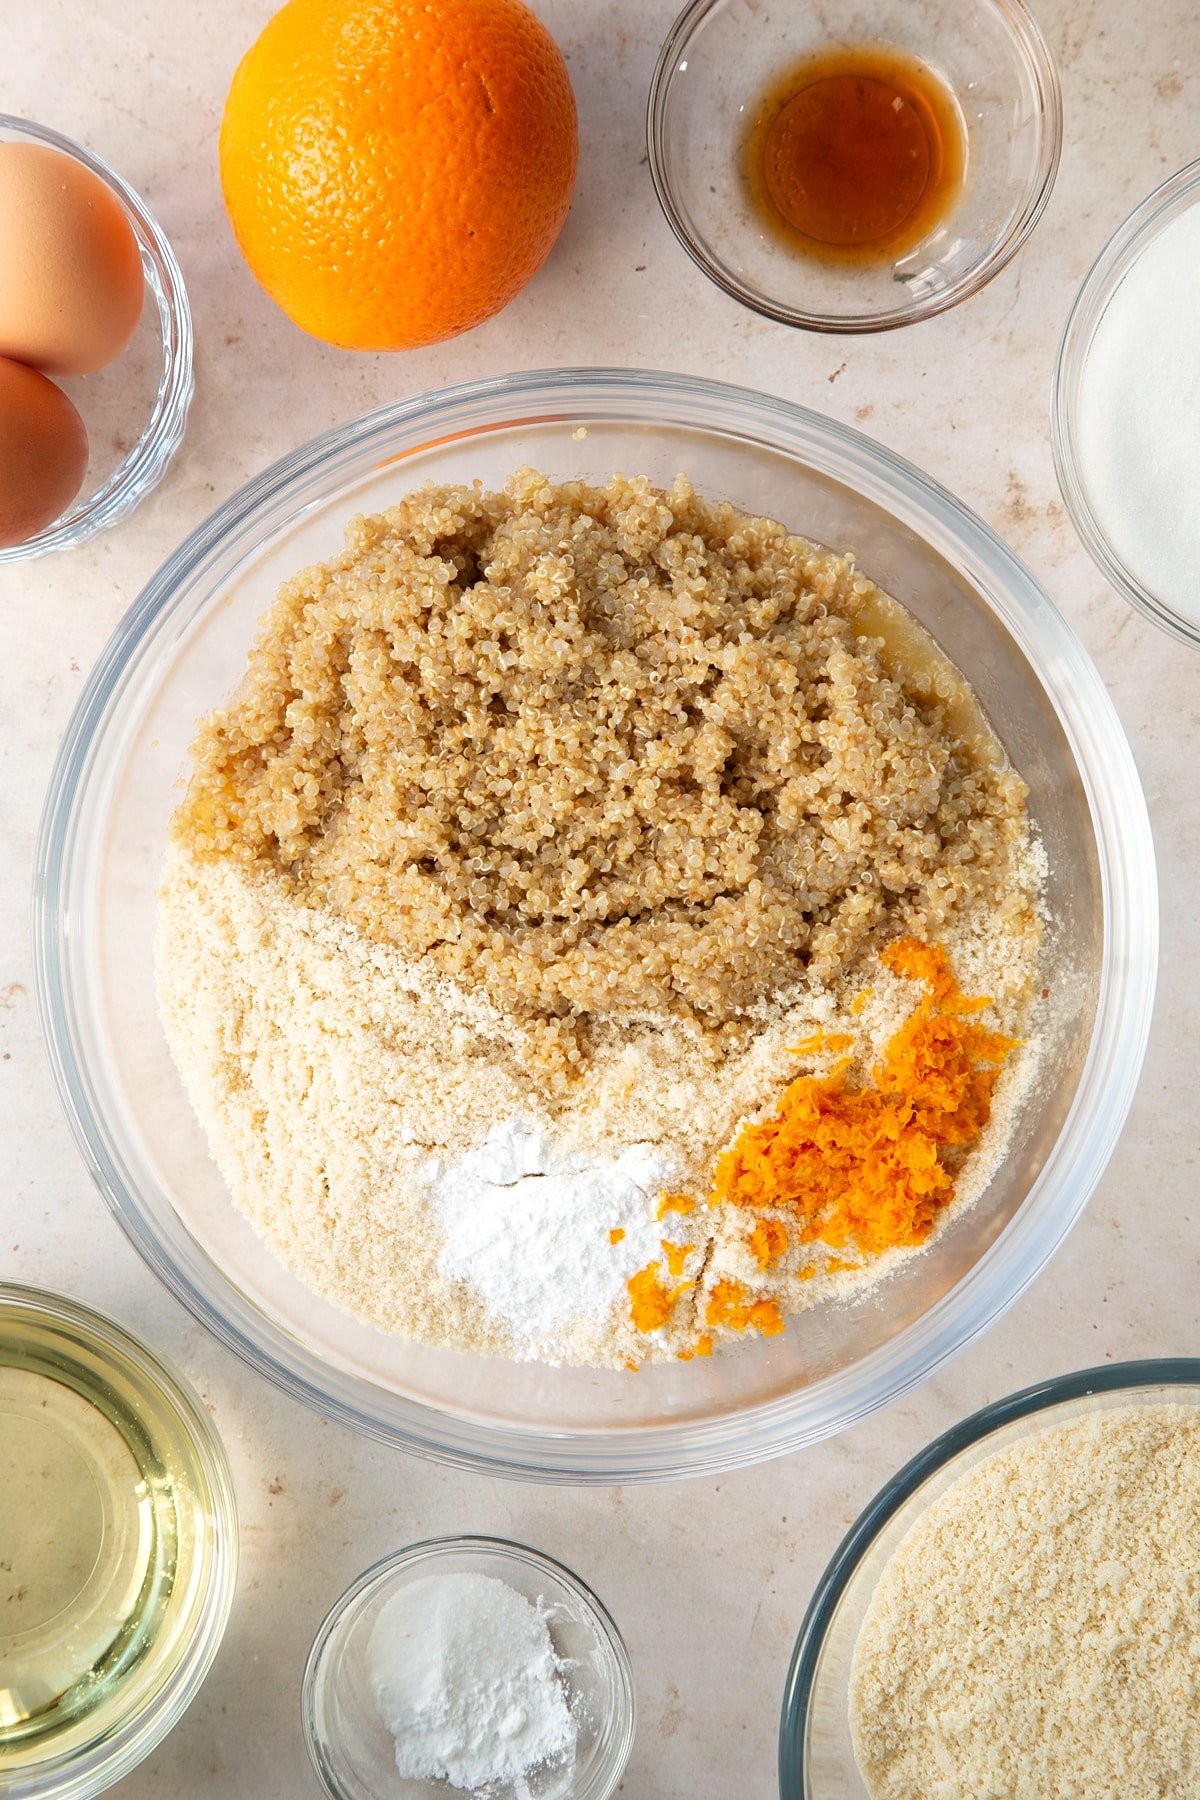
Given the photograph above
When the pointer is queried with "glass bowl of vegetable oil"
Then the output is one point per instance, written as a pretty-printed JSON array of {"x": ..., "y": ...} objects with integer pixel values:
[{"x": 118, "y": 1547}]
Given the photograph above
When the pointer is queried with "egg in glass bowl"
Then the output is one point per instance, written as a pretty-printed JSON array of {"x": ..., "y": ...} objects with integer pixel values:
[{"x": 108, "y": 397}]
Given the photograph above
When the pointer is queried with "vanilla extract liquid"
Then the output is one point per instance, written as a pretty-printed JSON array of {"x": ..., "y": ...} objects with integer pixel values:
[{"x": 855, "y": 155}]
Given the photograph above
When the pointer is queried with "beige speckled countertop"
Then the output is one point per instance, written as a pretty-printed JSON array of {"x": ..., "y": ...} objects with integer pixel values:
[{"x": 708, "y": 1580}]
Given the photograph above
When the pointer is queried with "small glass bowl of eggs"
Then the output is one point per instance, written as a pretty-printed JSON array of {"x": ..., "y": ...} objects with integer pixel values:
[{"x": 95, "y": 344}]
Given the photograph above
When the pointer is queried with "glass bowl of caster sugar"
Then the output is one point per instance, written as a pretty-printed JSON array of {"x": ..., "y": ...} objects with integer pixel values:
[
  {"x": 468, "y": 1666},
  {"x": 1126, "y": 423}
]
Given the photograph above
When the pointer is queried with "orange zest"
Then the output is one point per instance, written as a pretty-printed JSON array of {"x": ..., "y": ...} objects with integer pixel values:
[
  {"x": 730, "y": 1304},
  {"x": 651, "y": 1301},
  {"x": 768, "y": 1242},
  {"x": 677, "y": 1255},
  {"x": 821, "y": 1042},
  {"x": 858, "y": 1168},
  {"x": 863, "y": 1168}
]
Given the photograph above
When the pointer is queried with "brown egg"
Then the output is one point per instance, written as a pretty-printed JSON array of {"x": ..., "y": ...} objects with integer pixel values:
[
  {"x": 43, "y": 452},
  {"x": 71, "y": 284}
]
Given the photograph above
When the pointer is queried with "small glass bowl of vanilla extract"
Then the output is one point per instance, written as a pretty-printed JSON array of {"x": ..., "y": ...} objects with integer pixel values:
[
  {"x": 858, "y": 183},
  {"x": 118, "y": 1547}
]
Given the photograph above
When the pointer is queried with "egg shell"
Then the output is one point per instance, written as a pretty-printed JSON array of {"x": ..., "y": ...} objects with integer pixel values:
[
  {"x": 71, "y": 283},
  {"x": 43, "y": 453}
]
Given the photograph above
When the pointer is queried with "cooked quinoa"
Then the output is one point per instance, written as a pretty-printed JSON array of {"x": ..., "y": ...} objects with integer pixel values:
[{"x": 610, "y": 753}]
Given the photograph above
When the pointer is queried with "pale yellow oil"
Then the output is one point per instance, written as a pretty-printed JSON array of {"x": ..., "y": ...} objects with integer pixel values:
[{"x": 98, "y": 1530}]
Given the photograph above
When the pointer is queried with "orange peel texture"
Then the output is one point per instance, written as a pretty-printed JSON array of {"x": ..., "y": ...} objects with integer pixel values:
[{"x": 395, "y": 172}]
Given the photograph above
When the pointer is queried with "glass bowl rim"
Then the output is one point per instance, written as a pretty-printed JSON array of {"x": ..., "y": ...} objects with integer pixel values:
[
  {"x": 1117, "y": 809},
  {"x": 132, "y": 1736},
  {"x": 1039, "y": 61},
  {"x": 146, "y": 462},
  {"x": 432, "y": 1550},
  {"x": 1026, "y": 1402},
  {"x": 1178, "y": 194}
]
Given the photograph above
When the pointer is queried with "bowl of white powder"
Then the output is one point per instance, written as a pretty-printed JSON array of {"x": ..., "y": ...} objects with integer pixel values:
[
  {"x": 1126, "y": 409},
  {"x": 120, "y": 777},
  {"x": 1015, "y": 1610},
  {"x": 473, "y": 1666}
]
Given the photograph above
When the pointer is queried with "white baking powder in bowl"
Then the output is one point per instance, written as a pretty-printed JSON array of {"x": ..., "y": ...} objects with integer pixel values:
[
  {"x": 463, "y": 1672},
  {"x": 529, "y": 1225},
  {"x": 1139, "y": 418}
]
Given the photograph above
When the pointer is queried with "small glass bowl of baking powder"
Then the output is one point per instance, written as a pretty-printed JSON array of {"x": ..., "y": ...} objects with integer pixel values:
[
  {"x": 354, "y": 1752},
  {"x": 816, "y": 1748},
  {"x": 1123, "y": 421}
]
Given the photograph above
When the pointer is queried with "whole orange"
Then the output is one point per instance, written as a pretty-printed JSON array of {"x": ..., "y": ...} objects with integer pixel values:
[{"x": 395, "y": 171}]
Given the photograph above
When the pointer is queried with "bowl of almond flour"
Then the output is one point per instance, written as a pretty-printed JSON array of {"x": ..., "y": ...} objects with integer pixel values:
[
  {"x": 1014, "y": 1612},
  {"x": 595, "y": 924}
]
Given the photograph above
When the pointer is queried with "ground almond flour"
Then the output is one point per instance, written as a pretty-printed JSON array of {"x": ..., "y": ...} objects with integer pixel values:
[
  {"x": 544, "y": 826},
  {"x": 1036, "y": 1635}
]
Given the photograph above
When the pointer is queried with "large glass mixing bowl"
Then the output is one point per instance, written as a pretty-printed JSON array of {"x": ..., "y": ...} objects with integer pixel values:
[{"x": 181, "y": 648}]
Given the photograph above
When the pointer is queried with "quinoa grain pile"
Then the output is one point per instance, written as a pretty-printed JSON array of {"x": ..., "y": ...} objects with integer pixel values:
[{"x": 606, "y": 752}]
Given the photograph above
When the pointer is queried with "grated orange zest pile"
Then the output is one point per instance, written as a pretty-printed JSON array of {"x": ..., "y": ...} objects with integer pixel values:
[
  {"x": 730, "y": 1304},
  {"x": 651, "y": 1301},
  {"x": 860, "y": 1168},
  {"x": 768, "y": 1242}
]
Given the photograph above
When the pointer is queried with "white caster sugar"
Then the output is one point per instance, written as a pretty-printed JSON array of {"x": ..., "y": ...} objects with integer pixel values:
[
  {"x": 464, "y": 1675},
  {"x": 1139, "y": 417}
]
